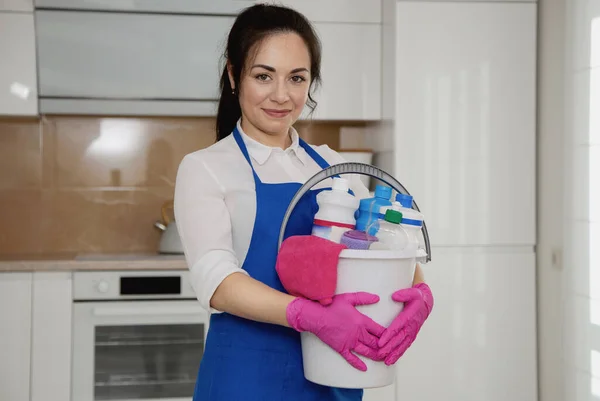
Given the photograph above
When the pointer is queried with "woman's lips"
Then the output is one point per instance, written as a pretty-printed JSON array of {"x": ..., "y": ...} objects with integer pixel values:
[{"x": 276, "y": 113}]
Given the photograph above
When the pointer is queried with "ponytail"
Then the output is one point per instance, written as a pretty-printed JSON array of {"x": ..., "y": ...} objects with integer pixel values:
[{"x": 229, "y": 111}]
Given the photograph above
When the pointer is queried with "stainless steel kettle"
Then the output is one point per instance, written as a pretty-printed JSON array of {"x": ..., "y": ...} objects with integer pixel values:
[{"x": 170, "y": 242}]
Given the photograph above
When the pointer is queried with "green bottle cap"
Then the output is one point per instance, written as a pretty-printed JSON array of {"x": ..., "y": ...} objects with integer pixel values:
[{"x": 393, "y": 216}]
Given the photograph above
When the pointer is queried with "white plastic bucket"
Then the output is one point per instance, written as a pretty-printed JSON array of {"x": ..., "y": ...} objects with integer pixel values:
[{"x": 379, "y": 272}]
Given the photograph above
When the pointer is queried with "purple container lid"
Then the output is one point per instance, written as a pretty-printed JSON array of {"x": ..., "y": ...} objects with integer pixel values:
[
  {"x": 355, "y": 239},
  {"x": 361, "y": 235}
]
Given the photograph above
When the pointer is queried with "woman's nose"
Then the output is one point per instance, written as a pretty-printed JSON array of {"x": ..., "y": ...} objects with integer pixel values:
[{"x": 280, "y": 93}]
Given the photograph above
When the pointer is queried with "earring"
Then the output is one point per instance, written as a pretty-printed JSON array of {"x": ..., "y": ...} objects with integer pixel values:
[{"x": 233, "y": 92}]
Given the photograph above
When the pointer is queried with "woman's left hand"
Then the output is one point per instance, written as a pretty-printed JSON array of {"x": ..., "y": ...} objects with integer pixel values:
[{"x": 398, "y": 337}]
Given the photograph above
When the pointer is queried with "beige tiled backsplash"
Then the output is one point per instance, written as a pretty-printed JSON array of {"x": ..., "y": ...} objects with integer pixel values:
[{"x": 93, "y": 184}]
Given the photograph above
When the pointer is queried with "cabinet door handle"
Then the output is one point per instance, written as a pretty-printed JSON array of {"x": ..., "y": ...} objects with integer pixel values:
[{"x": 154, "y": 311}]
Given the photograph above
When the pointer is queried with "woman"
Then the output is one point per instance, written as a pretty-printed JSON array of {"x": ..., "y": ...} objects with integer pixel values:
[{"x": 229, "y": 203}]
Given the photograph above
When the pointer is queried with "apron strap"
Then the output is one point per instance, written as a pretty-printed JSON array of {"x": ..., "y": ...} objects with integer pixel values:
[
  {"x": 313, "y": 153},
  {"x": 238, "y": 138}
]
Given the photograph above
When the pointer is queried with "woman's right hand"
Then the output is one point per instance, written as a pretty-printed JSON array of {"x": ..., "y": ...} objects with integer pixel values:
[{"x": 339, "y": 325}]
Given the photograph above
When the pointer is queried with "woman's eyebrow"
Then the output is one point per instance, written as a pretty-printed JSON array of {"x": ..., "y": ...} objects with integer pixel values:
[{"x": 272, "y": 69}]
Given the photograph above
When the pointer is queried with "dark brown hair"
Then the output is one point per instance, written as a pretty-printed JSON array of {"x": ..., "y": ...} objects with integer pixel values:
[{"x": 252, "y": 26}]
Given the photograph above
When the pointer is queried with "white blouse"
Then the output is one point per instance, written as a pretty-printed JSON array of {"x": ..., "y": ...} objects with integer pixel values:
[{"x": 215, "y": 202}]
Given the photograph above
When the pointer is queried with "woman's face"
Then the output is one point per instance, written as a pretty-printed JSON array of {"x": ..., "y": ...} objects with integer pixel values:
[{"x": 274, "y": 84}]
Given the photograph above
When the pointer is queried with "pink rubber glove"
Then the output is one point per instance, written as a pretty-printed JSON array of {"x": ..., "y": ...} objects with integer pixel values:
[
  {"x": 418, "y": 302},
  {"x": 339, "y": 325}
]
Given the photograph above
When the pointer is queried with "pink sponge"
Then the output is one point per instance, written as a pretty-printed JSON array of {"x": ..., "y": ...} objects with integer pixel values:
[{"x": 307, "y": 267}]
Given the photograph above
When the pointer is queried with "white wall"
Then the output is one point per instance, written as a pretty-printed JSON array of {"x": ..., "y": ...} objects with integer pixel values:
[{"x": 581, "y": 326}]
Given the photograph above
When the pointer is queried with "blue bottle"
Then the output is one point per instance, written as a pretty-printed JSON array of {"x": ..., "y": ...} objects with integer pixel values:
[{"x": 369, "y": 209}]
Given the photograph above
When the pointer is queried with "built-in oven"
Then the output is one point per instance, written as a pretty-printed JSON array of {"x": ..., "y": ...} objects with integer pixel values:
[{"x": 136, "y": 336}]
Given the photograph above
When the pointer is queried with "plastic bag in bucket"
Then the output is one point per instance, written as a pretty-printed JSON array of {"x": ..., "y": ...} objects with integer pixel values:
[{"x": 380, "y": 272}]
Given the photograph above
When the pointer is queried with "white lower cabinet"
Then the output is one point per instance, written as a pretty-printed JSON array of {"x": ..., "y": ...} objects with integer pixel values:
[
  {"x": 51, "y": 337},
  {"x": 479, "y": 343},
  {"x": 380, "y": 394},
  {"x": 15, "y": 336}
]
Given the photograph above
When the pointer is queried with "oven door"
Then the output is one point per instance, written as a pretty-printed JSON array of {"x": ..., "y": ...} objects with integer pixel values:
[{"x": 137, "y": 350}]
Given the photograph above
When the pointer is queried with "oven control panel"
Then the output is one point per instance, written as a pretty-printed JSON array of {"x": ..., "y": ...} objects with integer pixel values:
[{"x": 110, "y": 285}]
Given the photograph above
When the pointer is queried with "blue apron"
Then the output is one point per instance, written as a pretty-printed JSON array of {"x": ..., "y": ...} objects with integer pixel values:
[{"x": 246, "y": 360}]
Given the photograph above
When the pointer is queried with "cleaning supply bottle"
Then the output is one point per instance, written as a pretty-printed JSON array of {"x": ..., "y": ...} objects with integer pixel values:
[
  {"x": 337, "y": 208},
  {"x": 412, "y": 221},
  {"x": 391, "y": 235},
  {"x": 370, "y": 209}
]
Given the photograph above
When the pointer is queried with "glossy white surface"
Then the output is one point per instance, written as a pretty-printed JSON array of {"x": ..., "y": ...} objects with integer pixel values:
[
  {"x": 171, "y": 6},
  {"x": 465, "y": 118},
  {"x": 583, "y": 34},
  {"x": 581, "y": 281},
  {"x": 582, "y": 334},
  {"x": 18, "y": 81},
  {"x": 51, "y": 337},
  {"x": 16, "y": 5},
  {"x": 351, "y": 72},
  {"x": 581, "y": 239},
  {"x": 483, "y": 1},
  {"x": 583, "y": 126},
  {"x": 15, "y": 335},
  {"x": 583, "y": 183},
  {"x": 479, "y": 343},
  {"x": 550, "y": 193},
  {"x": 581, "y": 386},
  {"x": 387, "y": 393},
  {"x": 335, "y": 10},
  {"x": 129, "y": 56}
]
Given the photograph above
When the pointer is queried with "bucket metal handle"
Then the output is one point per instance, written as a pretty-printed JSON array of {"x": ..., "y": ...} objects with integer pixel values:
[{"x": 350, "y": 168}]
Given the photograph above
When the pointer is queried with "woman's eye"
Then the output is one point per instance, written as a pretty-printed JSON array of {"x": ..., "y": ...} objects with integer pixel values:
[
  {"x": 298, "y": 79},
  {"x": 262, "y": 77}
]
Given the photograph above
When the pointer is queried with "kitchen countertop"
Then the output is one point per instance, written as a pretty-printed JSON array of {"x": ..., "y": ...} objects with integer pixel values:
[{"x": 90, "y": 262}]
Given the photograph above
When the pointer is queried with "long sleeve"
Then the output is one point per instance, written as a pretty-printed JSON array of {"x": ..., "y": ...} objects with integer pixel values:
[{"x": 204, "y": 225}]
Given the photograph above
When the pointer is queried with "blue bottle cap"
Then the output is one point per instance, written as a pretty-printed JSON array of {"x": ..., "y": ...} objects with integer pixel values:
[
  {"x": 405, "y": 200},
  {"x": 382, "y": 191}
]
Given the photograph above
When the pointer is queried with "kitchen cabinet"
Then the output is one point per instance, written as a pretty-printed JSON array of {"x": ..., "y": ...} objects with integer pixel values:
[
  {"x": 351, "y": 72},
  {"x": 120, "y": 63},
  {"x": 350, "y": 11},
  {"x": 15, "y": 335},
  {"x": 51, "y": 336},
  {"x": 483, "y": 1},
  {"x": 18, "y": 81},
  {"x": 126, "y": 63},
  {"x": 465, "y": 118},
  {"x": 479, "y": 343},
  {"x": 16, "y": 5},
  {"x": 380, "y": 394},
  {"x": 220, "y": 7}
]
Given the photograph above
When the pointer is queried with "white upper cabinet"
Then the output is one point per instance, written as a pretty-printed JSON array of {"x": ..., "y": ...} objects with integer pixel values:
[
  {"x": 358, "y": 11},
  {"x": 219, "y": 7},
  {"x": 16, "y": 5},
  {"x": 351, "y": 72},
  {"x": 152, "y": 59},
  {"x": 15, "y": 335},
  {"x": 477, "y": 1},
  {"x": 18, "y": 82},
  {"x": 465, "y": 118},
  {"x": 116, "y": 59}
]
